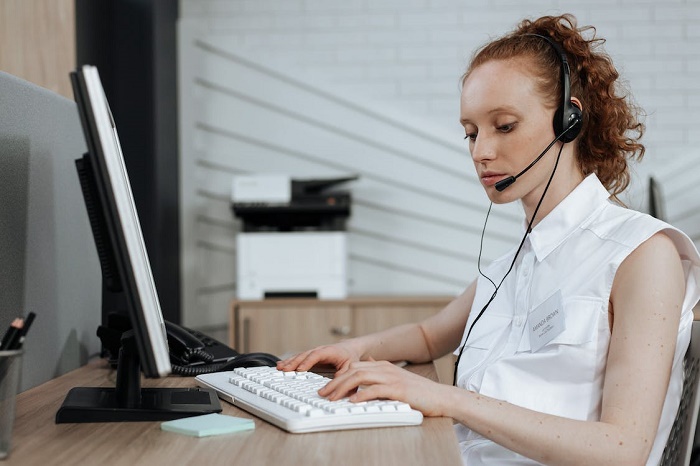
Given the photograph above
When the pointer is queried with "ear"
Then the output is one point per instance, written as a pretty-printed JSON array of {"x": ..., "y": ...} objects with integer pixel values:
[{"x": 577, "y": 103}]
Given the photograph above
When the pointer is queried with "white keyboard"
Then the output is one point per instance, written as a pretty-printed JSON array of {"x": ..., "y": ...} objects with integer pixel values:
[{"x": 290, "y": 401}]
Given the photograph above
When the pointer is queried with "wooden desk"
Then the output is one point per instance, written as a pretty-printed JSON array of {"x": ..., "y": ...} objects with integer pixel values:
[{"x": 38, "y": 440}]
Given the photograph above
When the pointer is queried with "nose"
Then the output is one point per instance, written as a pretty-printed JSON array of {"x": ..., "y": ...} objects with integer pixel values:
[{"x": 483, "y": 148}]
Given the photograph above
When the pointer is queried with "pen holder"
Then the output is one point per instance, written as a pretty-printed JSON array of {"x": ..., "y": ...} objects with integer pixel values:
[{"x": 10, "y": 373}]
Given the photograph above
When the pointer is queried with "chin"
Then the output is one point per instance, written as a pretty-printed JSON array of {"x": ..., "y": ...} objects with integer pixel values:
[{"x": 501, "y": 197}]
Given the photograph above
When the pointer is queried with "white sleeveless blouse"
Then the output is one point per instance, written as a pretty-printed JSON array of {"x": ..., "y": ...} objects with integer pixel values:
[{"x": 575, "y": 251}]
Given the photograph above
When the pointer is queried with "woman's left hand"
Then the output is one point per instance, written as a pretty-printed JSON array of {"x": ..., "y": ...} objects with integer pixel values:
[{"x": 384, "y": 380}]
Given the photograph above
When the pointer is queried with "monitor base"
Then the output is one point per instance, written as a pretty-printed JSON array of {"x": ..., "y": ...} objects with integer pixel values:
[{"x": 99, "y": 404}]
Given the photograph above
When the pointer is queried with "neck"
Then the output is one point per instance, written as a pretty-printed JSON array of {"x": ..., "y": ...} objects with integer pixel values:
[{"x": 565, "y": 180}]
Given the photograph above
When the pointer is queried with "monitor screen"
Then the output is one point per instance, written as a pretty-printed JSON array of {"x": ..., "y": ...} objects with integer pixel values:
[{"x": 125, "y": 265}]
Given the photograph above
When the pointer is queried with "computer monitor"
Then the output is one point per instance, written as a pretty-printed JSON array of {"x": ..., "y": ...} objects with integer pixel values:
[
  {"x": 125, "y": 266},
  {"x": 657, "y": 205}
]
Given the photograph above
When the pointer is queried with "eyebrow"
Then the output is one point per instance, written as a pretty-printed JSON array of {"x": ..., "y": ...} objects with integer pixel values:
[{"x": 499, "y": 109}]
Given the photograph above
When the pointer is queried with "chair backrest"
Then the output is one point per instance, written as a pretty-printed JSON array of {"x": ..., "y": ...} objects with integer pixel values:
[{"x": 682, "y": 437}]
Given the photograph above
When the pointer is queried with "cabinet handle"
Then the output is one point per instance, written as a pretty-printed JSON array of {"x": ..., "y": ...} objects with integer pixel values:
[
  {"x": 246, "y": 335},
  {"x": 343, "y": 331}
]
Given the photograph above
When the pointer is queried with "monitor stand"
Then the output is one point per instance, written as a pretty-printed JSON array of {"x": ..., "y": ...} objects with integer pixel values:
[{"x": 129, "y": 402}]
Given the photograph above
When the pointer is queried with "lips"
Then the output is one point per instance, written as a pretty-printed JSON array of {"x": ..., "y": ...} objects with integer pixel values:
[{"x": 491, "y": 178}]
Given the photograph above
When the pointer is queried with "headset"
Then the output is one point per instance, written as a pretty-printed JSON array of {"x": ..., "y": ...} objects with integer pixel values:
[
  {"x": 568, "y": 118},
  {"x": 567, "y": 123}
]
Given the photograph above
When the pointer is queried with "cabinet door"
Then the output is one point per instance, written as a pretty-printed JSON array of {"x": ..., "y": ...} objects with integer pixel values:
[
  {"x": 368, "y": 318},
  {"x": 282, "y": 330}
]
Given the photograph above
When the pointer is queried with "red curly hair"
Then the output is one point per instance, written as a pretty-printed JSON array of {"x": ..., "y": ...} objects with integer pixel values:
[{"x": 611, "y": 126}]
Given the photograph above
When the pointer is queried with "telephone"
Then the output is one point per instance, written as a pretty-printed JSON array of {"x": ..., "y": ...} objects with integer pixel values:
[
  {"x": 191, "y": 352},
  {"x": 188, "y": 346}
]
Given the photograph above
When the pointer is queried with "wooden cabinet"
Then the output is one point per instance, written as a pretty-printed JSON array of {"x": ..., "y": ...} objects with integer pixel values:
[{"x": 285, "y": 326}]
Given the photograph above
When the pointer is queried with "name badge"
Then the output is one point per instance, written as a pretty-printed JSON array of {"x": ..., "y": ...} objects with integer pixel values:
[{"x": 546, "y": 322}]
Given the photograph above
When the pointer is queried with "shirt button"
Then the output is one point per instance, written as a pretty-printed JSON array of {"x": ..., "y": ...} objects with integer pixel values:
[{"x": 518, "y": 321}]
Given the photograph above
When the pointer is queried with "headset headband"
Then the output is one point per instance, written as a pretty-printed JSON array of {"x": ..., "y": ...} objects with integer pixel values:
[{"x": 568, "y": 113}]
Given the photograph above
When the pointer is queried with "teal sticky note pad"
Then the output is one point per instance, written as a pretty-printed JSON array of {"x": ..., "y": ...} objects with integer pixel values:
[{"x": 208, "y": 424}]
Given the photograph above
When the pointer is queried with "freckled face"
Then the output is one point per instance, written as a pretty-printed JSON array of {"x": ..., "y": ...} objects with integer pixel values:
[{"x": 507, "y": 125}]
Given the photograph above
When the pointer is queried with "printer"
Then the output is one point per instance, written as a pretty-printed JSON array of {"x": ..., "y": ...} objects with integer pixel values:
[{"x": 293, "y": 241}]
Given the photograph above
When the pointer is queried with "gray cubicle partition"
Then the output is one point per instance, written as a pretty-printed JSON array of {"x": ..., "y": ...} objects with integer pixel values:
[{"x": 48, "y": 262}]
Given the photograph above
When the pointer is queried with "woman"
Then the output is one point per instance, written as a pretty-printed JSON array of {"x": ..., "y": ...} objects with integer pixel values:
[{"x": 571, "y": 345}]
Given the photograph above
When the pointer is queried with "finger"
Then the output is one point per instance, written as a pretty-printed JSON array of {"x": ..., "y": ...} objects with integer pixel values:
[
  {"x": 347, "y": 365},
  {"x": 287, "y": 361},
  {"x": 343, "y": 368},
  {"x": 320, "y": 355},
  {"x": 292, "y": 362},
  {"x": 373, "y": 392},
  {"x": 347, "y": 383},
  {"x": 360, "y": 373},
  {"x": 335, "y": 391},
  {"x": 309, "y": 360},
  {"x": 334, "y": 386}
]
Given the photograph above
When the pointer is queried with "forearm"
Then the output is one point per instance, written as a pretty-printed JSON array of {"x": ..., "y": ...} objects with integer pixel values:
[
  {"x": 420, "y": 342},
  {"x": 549, "y": 439},
  {"x": 403, "y": 343}
]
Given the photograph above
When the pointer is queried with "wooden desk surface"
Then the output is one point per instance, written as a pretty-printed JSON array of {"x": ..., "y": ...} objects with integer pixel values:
[{"x": 38, "y": 440}]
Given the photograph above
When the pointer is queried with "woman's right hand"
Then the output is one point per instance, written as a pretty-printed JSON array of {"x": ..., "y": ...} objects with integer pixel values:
[{"x": 339, "y": 356}]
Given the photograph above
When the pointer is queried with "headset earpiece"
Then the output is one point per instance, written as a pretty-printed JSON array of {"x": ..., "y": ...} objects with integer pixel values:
[{"x": 566, "y": 116}]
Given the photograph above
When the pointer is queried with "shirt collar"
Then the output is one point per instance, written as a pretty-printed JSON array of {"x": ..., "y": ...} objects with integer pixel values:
[{"x": 568, "y": 215}]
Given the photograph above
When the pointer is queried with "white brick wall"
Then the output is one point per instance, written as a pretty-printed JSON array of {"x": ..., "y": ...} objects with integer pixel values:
[{"x": 410, "y": 53}]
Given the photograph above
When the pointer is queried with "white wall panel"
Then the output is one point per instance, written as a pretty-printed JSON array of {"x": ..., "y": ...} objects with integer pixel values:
[
  {"x": 218, "y": 269},
  {"x": 418, "y": 209},
  {"x": 211, "y": 306},
  {"x": 380, "y": 278},
  {"x": 215, "y": 235}
]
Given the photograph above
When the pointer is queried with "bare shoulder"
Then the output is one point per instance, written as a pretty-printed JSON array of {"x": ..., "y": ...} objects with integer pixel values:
[
  {"x": 650, "y": 274},
  {"x": 658, "y": 250}
]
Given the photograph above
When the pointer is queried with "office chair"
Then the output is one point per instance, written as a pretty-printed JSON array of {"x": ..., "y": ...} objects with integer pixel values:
[{"x": 682, "y": 437}]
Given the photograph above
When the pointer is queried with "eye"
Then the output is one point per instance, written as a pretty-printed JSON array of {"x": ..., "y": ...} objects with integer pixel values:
[
  {"x": 507, "y": 128},
  {"x": 471, "y": 137}
]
